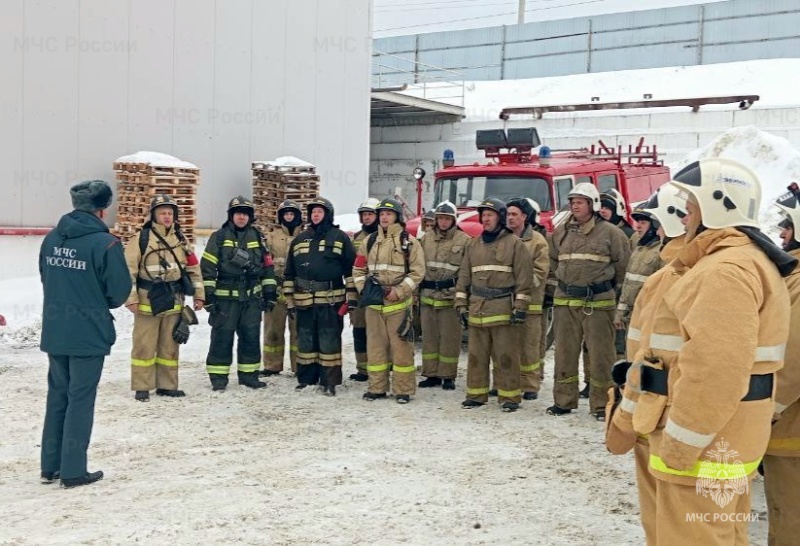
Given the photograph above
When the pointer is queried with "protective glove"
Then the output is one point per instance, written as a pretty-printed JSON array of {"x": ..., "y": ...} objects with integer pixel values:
[
  {"x": 463, "y": 316},
  {"x": 266, "y": 305},
  {"x": 548, "y": 301},
  {"x": 518, "y": 317},
  {"x": 291, "y": 312},
  {"x": 181, "y": 332},
  {"x": 211, "y": 304},
  {"x": 352, "y": 300}
]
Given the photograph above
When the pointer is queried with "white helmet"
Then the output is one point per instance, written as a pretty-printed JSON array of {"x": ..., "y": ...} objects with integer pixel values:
[
  {"x": 668, "y": 208},
  {"x": 369, "y": 205},
  {"x": 586, "y": 190},
  {"x": 790, "y": 211},
  {"x": 727, "y": 192},
  {"x": 616, "y": 198},
  {"x": 446, "y": 208},
  {"x": 537, "y": 211}
]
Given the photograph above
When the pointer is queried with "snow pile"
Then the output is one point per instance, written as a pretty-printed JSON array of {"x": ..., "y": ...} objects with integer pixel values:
[
  {"x": 288, "y": 161},
  {"x": 348, "y": 222},
  {"x": 772, "y": 158},
  {"x": 156, "y": 159},
  {"x": 774, "y": 80}
]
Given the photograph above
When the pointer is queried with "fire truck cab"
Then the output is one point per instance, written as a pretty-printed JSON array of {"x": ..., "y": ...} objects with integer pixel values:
[{"x": 513, "y": 170}]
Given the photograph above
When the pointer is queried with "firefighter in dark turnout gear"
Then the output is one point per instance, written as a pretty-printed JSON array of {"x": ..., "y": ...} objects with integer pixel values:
[
  {"x": 493, "y": 292},
  {"x": 358, "y": 318},
  {"x": 319, "y": 288},
  {"x": 83, "y": 274},
  {"x": 290, "y": 218},
  {"x": 239, "y": 282}
]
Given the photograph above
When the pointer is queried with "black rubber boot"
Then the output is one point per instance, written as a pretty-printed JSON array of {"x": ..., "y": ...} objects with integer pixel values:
[
  {"x": 360, "y": 377},
  {"x": 530, "y": 396},
  {"x": 268, "y": 373},
  {"x": 90, "y": 477},
  {"x": 402, "y": 399},
  {"x": 555, "y": 410},
  {"x": 142, "y": 396},
  {"x": 429, "y": 382},
  {"x": 493, "y": 392},
  {"x": 584, "y": 393},
  {"x": 50, "y": 477},
  {"x": 449, "y": 384},
  {"x": 509, "y": 407},
  {"x": 600, "y": 415},
  {"x": 171, "y": 393},
  {"x": 218, "y": 381},
  {"x": 471, "y": 404},
  {"x": 372, "y": 396},
  {"x": 250, "y": 379}
]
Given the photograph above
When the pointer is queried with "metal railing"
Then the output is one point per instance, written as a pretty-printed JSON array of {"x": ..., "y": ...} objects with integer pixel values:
[{"x": 423, "y": 81}]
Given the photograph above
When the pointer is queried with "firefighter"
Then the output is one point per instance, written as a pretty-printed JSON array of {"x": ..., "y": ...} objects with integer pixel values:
[
  {"x": 369, "y": 224},
  {"x": 392, "y": 261},
  {"x": 319, "y": 289},
  {"x": 239, "y": 280},
  {"x": 427, "y": 223},
  {"x": 782, "y": 460},
  {"x": 644, "y": 262},
  {"x": 710, "y": 345},
  {"x": 613, "y": 209},
  {"x": 290, "y": 220},
  {"x": 669, "y": 211},
  {"x": 521, "y": 220},
  {"x": 493, "y": 293},
  {"x": 160, "y": 252},
  {"x": 444, "y": 248},
  {"x": 589, "y": 257},
  {"x": 83, "y": 274}
]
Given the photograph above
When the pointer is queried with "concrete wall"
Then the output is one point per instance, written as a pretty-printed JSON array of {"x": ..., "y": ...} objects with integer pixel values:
[
  {"x": 397, "y": 150},
  {"x": 215, "y": 83}
]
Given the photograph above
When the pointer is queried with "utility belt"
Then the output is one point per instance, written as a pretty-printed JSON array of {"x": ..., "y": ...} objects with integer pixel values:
[
  {"x": 491, "y": 293},
  {"x": 438, "y": 285},
  {"x": 305, "y": 285},
  {"x": 586, "y": 291},
  {"x": 655, "y": 381},
  {"x": 144, "y": 284}
]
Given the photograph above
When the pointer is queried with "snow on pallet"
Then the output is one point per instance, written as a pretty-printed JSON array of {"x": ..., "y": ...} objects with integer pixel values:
[{"x": 280, "y": 179}]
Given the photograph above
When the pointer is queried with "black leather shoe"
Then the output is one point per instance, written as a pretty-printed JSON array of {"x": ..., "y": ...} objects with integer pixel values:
[
  {"x": 555, "y": 410},
  {"x": 530, "y": 396},
  {"x": 171, "y": 393},
  {"x": 493, "y": 392},
  {"x": 508, "y": 407},
  {"x": 402, "y": 398},
  {"x": 470, "y": 404},
  {"x": 250, "y": 379},
  {"x": 50, "y": 477},
  {"x": 218, "y": 381},
  {"x": 90, "y": 477},
  {"x": 360, "y": 377},
  {"x": 301, "y": 386},
  {"x": 372, "y": 396},
  {"x": 449, "y": 384},
  {"x": 600, "y": 415},
  {"x": 142, "y": 396},
  {"x": 268, "y": 373},
  {"x": 584, "y": 393}
]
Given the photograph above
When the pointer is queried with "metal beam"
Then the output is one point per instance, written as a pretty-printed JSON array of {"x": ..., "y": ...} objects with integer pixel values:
[{"x": 745, "y": 101}]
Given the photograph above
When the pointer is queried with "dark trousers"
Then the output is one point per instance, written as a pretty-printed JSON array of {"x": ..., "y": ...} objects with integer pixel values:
[
  {"x": 242, "y": 319},
  {"x": 319, "y": 345},
  {"x": 69, "y": 416}
]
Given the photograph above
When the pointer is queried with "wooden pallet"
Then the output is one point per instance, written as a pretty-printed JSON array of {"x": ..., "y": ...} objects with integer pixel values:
[{"x": 262, "y": 166}]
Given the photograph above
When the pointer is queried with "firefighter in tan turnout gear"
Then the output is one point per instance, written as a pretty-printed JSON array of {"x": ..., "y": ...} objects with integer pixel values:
[
  {"x": 444, "y": 246},
  {"x": 157, "y": 258},
  {"x": 589, "y": 257},
  {"x": 645, "y": 261},
  {"x": 278, "y": 240},
  {"x": 782, "y": 460},
  {"x": 669, "y": 211},
  {"x": 358, "y": 319},
  {"x": 521, "y": 222},
  {"x": 492, "y": 297},
  {"x": 710, "y": 343},
  {"x": 389, "y": 267}
]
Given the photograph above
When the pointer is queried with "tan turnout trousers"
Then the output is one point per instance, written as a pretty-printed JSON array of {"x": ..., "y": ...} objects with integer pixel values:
[
  {"x": 154, "y": 354},
  {"x": 502, "y": 344},
  {"x": 532, "y": 356},
  {"x": 441, "y": 342},
  {"x": 275, "y": 339},
  {"x": 387, "y": 352},
  {"x": 782, "y": 486}
]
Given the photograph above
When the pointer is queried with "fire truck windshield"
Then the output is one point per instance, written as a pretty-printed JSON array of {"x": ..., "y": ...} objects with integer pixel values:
[{"x": 469, "y": 191}]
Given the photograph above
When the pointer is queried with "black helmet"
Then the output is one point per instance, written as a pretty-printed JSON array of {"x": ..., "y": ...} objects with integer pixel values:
[
  {"x": 429, "y": 215},
  {"x": 640, "y": 214},
  {"x": 288, "y": 204},
  {"x": 495, "y": 204},
  {"x": 320, "y": 202},
  {"x": 446, "y": 208},
  {"x": 241, "y": 204},
  {"x": 524, "y": 205},
  {"x": 161, "y": 200},
  {"x": 393, "y": 205}
]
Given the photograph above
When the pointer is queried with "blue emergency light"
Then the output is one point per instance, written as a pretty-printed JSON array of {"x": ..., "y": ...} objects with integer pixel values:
[{"x": 448, "y": 159}]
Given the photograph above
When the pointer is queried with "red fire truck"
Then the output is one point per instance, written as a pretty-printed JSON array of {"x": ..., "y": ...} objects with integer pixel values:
[{"x": 513, "y": 170}]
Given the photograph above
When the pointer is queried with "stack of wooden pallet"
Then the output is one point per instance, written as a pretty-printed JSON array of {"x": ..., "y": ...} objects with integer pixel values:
[
  {"x": 142, "y": 176},
  {"x": 278, "y": 180}
]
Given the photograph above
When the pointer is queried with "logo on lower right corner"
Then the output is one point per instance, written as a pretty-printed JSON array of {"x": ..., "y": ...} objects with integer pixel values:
[{"x": 723, "y": 478}]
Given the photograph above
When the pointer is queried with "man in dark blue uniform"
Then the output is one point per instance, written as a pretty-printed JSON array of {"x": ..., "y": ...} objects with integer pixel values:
[{"x": 84, "y": 274}]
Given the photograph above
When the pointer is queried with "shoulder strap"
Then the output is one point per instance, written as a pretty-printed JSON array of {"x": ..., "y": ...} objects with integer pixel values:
[
  {"x": 166, "y": 244},
  {"x": 371, "y": 241},
  {"x": 144, "y": 238}
]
